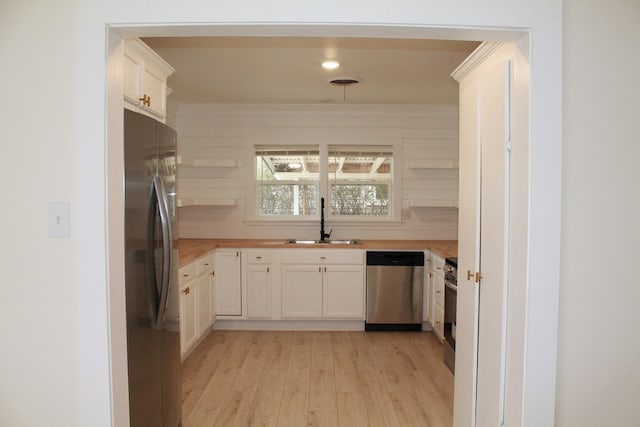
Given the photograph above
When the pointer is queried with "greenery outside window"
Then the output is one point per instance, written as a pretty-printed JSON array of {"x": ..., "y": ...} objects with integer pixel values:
[
  {"x": 356, "y": 181},
  {"x": 287, "y": 180},
  {"x": 360, "y": 179}
]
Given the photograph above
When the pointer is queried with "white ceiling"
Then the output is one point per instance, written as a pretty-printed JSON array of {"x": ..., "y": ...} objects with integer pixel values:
[{"x": 287, "y": 69}]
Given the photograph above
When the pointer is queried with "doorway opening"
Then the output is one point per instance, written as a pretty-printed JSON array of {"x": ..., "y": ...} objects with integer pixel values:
[{"x": 114, "y": 134}]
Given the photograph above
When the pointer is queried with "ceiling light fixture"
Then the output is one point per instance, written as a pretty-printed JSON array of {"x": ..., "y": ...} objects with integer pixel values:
[
  {"x": 330, "y": 64},
  {"x": 344, "y": 82}
]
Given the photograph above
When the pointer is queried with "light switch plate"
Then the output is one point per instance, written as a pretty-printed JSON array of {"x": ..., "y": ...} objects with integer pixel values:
[{"x": 58, "y": 219}]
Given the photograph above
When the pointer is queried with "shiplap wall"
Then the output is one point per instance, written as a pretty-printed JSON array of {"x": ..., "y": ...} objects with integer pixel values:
[{"x": 229, "y": 132}]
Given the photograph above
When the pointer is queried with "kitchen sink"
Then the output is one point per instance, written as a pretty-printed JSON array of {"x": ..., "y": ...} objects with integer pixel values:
[{"x": 322, "y": 242}]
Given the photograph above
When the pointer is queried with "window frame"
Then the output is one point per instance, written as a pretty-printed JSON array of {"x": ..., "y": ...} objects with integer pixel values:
[{"x": 324, "y": 189}]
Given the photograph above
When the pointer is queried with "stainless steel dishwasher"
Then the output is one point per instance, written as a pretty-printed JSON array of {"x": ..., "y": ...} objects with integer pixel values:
[{"x": 394, "y": 291}]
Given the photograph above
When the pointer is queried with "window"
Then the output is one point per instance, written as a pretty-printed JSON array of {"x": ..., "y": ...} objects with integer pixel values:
[
  {"x": 359, "y": 180},
  {"x": 356, "y": 180},
  {"x": 287, "y": 180}
]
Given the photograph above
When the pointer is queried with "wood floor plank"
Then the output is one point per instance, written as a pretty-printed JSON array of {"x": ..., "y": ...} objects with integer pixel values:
[
  {"x": 352, "y": 410},
  {"x": 218, "y": 390},
  {"x": 323, "y": 407},
  {"x": 298, "y": 378},
  {"x": 410, "y": 411},
  {"x": 278, "y": 350},
  {"x": 299, "y": 369},
  {"x": 266, "y": 403},
  {"x": 380, "y": 410},
  {"x": 293, "y": 409},
  {"x": 344, "y": 362},
  {"x": 321, "y": 352},
  {"x": 397, "y": 377},
  {"x": 372, "y": 381},
  {"x": 199, "y": 367},
  {"x": 253, "y": 366},
  {"x": 236, "y": 409},
  {"x": 364, "y": 357}
]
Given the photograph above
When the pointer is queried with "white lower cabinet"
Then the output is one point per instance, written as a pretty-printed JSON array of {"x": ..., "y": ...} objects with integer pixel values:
[
  {"x": 426, "y": 290},
  {"x": 436, "y": 286},
  {"x": 197, "y": 309},
  {"x": 204, "y": 294},
  {"x": 301, "y": 291},
  {"x": 259, "y": 282},
  {"x": 343, "y": 291},
  {"x": 323, "y": 284},
  {"x": 258, "y": 291},
  {"x": 188, "y": 311},
  {"x": 228, "y": 286}
]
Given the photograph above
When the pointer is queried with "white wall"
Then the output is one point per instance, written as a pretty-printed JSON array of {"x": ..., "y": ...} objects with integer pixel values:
[
  {"x": 39, "y": 379},
  {"x": 55, "y": 363},
  {"x": 229, "y": 132},
  {"x": 599, "y": 348}
]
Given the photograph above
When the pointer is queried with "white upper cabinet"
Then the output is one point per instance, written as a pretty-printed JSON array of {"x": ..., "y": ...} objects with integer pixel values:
[{"x": 145, "y": 80}]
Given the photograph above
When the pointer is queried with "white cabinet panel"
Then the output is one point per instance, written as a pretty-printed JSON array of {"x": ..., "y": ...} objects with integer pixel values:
[
  {"x": 301, "y": 291},
  {"x": 323, "y": 283},
  {"x": 188, "y": 320},
  {"x": 203, "y": 298},
  {"x": 436, "y": 288},
  {"x": 322, "y": 256},
  {"x": 343, "y": 291},
  {"x": 186, "y": 273},
  {"x": 228, "y": 283},
  {"x": 145, "y": 80},
  {"x": 438, "y": 326},
  {"x": 258, "y": 291}
]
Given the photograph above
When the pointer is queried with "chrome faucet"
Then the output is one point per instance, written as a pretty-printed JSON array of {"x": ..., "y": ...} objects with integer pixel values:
[{"x": 323, "y": 235}]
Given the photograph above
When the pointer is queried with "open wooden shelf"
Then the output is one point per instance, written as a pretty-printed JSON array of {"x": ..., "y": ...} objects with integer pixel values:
[
  {"x": 206, "y": 201},
  {"x": 207, "y": 163},
  {"x": 432, "y": 164},
  {"x": 433, "y": 203}
]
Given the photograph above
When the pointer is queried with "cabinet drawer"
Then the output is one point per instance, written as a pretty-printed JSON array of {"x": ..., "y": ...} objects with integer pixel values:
[
  {"x": 323, "y": 256},
  {"x": 438, "y": 294},
  {"x": 437, "y": 262},
  {"x": 186, "y": 273},
  {"x": 205, "y": 264},
  {"x": 259, "y": 257}
]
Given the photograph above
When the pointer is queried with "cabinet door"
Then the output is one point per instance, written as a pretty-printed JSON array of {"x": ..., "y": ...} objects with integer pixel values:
[
  {"x": 258, "y": 290},
  {"x": 154, "y": 86},
  {"x": 438, "y": 323},
  {"x": 430, "y": 300},
  {"x": 228, "y": 284},
  {"x": 212, "y": 298},
  {"x": 132, "y": 79},
  {"x": 203, "y": 298},
  {"x": 188, "y": 331},
  {"x": 343, "y": 291},
  {"x": 301, "y": 291},
  {"x": 437, "y": 298}
]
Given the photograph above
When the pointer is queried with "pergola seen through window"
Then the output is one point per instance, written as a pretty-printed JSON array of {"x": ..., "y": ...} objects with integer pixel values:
[{"x": 354, "y": 179}]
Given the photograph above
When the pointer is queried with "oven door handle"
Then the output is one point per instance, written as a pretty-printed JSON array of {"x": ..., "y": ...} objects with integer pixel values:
[{"x": 451, "y": 286}]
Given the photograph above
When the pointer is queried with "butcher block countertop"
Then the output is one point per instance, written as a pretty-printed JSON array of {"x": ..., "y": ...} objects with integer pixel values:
[{"x": 190, "y": 249}]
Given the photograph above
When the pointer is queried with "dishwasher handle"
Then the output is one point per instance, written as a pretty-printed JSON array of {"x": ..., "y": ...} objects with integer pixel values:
[{"x": 396, "y": 258}]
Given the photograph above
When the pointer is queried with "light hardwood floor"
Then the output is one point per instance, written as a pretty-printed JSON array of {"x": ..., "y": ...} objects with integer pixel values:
[{"x": 273, "y": 378}]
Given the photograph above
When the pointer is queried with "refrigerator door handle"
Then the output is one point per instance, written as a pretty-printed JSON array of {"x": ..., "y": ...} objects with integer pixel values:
[{"x": 158, "y": 200}]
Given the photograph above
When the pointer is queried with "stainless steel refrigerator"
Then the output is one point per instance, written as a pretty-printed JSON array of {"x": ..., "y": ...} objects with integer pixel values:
[{"x": 153, "y": 333}]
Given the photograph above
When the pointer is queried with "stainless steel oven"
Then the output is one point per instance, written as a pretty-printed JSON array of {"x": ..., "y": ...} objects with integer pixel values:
[{"x": 450, "y": 307}]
